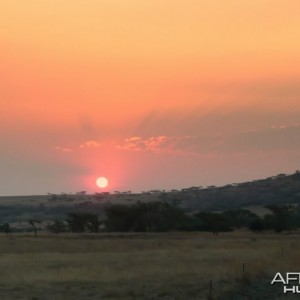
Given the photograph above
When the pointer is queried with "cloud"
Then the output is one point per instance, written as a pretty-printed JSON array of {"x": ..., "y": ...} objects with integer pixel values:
[
  {"x": 153, "y": 144},
  {"x": 280, "y": 136},
  {"x": 276, "y": 137},
  {"x": 90, "y": 144},
  {"x": 172, "y": 145},
  {"x": 63, "y": 149},
  {"x": 282, "y": 126},
  {"x": 223, "y": 120},
  {"x": 283, "y": 137}
]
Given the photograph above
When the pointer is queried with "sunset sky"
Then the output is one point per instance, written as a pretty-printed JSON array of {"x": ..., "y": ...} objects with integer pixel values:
[{"x": 156, "y": 94}]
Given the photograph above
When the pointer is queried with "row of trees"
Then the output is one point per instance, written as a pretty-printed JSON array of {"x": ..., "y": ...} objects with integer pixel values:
[{"x": 159, "y": 216}]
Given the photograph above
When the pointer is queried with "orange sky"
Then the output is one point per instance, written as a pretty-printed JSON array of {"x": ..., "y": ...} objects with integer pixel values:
[{"x": 141, "y": 90}]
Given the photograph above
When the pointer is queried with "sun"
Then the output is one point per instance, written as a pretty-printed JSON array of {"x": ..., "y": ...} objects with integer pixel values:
[{"x": 102, "y": 182}]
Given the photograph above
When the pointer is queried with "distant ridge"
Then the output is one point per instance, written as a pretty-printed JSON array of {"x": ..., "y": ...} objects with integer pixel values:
[
  {"x": 281, "y": 188},
  {"x": 277, "y": 189}
]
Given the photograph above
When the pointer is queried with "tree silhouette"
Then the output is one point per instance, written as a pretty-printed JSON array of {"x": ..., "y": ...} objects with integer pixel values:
[
  {"x": 80, "y": 222},
  {"x": 6, "y": 228},
  {"x": 33, "y": 223},
  {"x": 281, "y": 216}
]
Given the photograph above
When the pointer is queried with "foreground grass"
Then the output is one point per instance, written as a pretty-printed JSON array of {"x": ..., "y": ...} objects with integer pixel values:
[{"x": 140, "y": 266}]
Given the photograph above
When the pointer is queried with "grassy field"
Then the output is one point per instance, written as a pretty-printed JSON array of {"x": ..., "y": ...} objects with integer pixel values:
[{"x": 142, "y": 266}]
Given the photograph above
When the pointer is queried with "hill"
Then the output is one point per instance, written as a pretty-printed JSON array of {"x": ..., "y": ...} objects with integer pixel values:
[{"x": 279, "y": 189}]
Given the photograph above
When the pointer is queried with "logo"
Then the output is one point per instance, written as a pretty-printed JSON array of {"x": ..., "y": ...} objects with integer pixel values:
[{"x": 290, "y": 282}]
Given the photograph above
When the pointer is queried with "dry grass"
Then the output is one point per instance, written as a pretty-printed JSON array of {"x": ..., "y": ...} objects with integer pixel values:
[{"x": 147, "y": 266}]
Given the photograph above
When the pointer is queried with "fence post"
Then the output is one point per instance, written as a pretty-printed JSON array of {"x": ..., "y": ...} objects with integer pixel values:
[
  {"x": 210, "y": 287},
  {"x": 244, "y": 268}
]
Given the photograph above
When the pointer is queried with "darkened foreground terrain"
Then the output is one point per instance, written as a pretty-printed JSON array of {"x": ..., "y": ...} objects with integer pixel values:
[
  {"x": 197, "y": 243},
  {"x": 234, "y": 265},
  {"x": 268, "y": 204}
]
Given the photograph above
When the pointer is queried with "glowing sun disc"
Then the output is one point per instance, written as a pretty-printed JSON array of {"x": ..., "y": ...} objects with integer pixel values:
[{"x": 102, "y": 182}]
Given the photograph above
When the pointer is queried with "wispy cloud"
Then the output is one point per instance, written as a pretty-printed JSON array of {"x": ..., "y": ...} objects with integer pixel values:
[
  {"x": 172, "y": 145},
  {"x": 283, "y": 126},
  {"x": 282, "y": 136},
  {"x": 266, "y": 139},
  {"x": 63, "y": 149},
  {"x": 154, "y": 144},
  {"x": 272, "y": 138},
  {"x": 90, "y": 144}
]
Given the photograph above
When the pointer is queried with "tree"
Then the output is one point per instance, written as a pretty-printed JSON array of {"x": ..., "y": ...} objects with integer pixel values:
[
  {"x": 168, "y": 216},
  {"x": 33, "y": 223},
  {"x": 281, "y": 215},
  {"x": 239, "y": 217},
  {"x": 147, "y": 216},
  {"x": 80, "y": 222},
  {"x": 58, "y": 226},
  {"x": 119, "y": 217},
  {"x": 190, "y": 223},
  {"x": 214, "y": 222},
  {"x": 92, "y": 223},
  {"x": 256, "y": 224},
  {"x": 269, "y": 222},
  {"x": 6, "y": 228}
]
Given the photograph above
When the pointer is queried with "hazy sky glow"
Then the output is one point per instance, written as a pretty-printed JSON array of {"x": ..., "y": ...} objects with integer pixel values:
[{"x": 150, "y": 94}]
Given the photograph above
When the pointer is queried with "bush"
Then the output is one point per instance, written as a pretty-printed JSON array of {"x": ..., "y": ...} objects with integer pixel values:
[
  {"x": 256, "y": 224},
  {"x": 140, "y": 217},
  {"x": 58, "y": 226},
  {"x": 214, "y": 222},
  {"x": 80, "y": 222}
]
